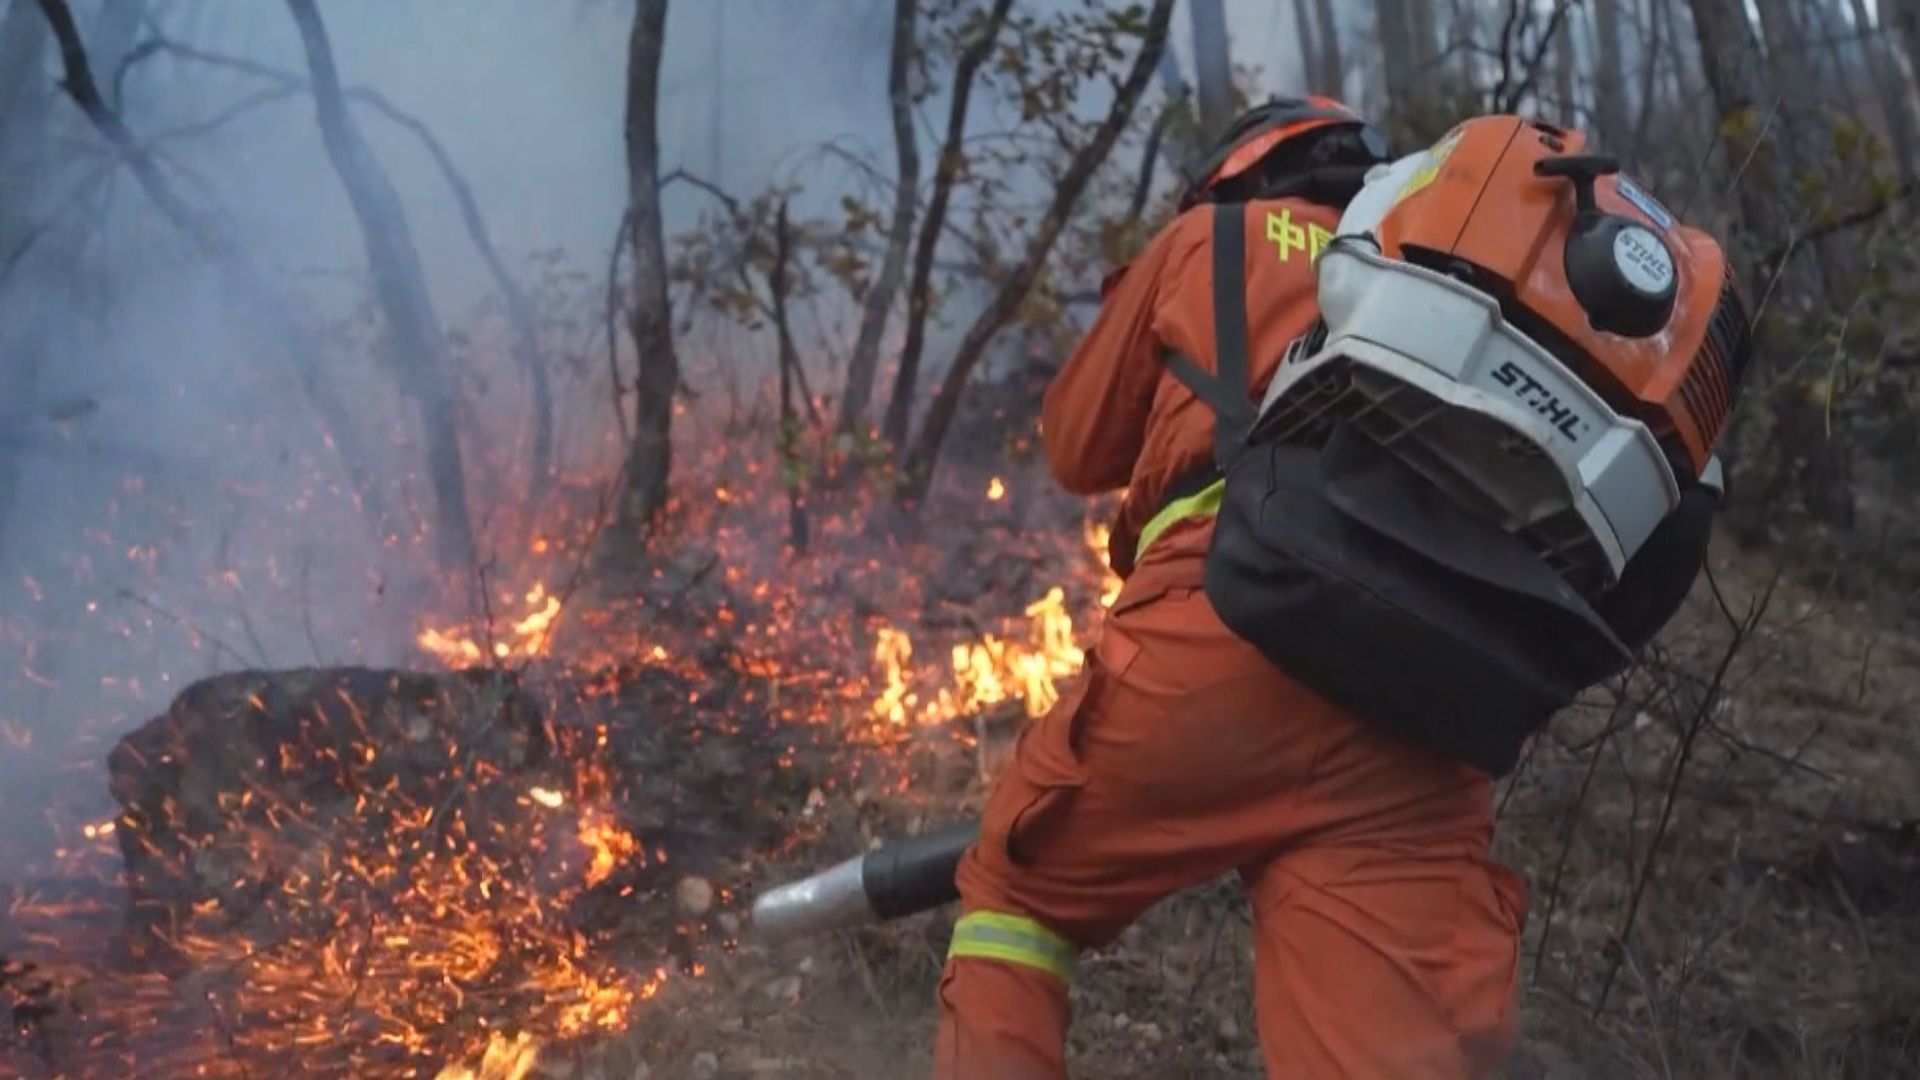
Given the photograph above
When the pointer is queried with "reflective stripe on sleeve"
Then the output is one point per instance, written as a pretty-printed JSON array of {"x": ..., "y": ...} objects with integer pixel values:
[
  {"x": 1202, "y": 503},
  {"x": 1015, "y": 939}
]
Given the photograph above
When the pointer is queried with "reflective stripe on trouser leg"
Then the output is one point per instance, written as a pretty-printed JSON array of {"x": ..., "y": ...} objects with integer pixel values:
[{"x": 1015, "y": 939}]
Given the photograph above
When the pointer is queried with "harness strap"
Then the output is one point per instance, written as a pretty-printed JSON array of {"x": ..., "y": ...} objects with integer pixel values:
[{"x": 1225, "y": 390}]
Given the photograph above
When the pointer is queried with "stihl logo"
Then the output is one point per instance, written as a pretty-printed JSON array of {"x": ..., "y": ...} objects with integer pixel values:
[{"x": 1540, "y": 399}]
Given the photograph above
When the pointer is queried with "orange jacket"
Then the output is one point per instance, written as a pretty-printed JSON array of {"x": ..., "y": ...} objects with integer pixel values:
[{"x": 1114, "y": 417}]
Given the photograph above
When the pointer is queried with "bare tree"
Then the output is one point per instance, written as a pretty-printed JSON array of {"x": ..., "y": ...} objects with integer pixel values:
[
  {"x": 209, "y": 235},
  {"x": 649, "y": 465},
  {"x": 878, "y": 302},
  {"x": 522, "y": 320},
  {"x": 1610, "y": 74},
  {"x": 1397, "y": 51},
  {"x": 1566, "y": 76},
  {"x": 1728, "y": 52},
  {"x": 1895, "y": 98},
  {"x": 1212, "y": 66},
  {"x": 1333, "y": 70},
  {"x": 789, "y": 439},
  {"x": 416, "y": 343},
  {"x": 1312, "y": 70},
  {"x": 952, "y": 163},
  {"x": 1020, "y": 278}
]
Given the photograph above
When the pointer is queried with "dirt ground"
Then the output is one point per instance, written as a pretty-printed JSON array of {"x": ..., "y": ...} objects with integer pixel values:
[{"x": 1775, "y": 935}]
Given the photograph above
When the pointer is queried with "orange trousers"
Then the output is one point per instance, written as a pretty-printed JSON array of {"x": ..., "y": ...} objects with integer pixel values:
[{"x": 1386, "y": 937}]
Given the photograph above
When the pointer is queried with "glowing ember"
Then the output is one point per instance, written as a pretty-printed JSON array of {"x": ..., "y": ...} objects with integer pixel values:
[
  {"x": 547, "y": 797},
  {"x": 996, "y": 490},
  {"x": 94, "y": 831}
]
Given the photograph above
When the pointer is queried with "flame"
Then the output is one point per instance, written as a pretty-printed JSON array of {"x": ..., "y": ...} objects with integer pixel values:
[
  {"x": 505, "y": 1059},
  {"x": 611, "y": 845},
  {"x": 1099, "y": 535},
  {"x": 524, "y": 638},
  {"x": 468, "y": 943},
  {"x": 892, "y": 649},
  {"x": 986, "y": 672}
]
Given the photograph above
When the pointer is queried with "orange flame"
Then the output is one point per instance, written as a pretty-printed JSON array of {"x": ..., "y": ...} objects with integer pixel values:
[
  {"x": 505, "y": 1059},
  {"x": 526, "y": 637}
]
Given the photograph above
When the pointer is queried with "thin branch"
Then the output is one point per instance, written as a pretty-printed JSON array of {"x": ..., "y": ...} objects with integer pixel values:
[
  {"x": 1777, "y": 259},
  {"x": 209, "y": 235},
  {"x": 1682, "y": 756},
  {"x": 518, "y": 306}
]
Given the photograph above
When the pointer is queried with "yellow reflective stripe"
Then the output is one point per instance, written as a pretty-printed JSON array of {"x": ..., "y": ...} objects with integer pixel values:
[
  {"x": 1014, "y": 939},
  {"x": 1202, "y": 503}
]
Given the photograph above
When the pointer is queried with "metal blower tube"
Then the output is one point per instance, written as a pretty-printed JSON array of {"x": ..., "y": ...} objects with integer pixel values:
[{"x": 895, "y": 880}]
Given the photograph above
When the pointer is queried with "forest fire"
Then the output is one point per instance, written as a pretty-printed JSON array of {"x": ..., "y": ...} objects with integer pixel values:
[{"x": 436, "y": 898}]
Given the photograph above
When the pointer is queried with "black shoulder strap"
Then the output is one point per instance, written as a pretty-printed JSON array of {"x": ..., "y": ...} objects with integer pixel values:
[{"x": 1225, "y": 390}]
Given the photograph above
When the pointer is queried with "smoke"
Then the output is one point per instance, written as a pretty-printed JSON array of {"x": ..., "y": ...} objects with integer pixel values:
[{"x": 168, "y": 506}]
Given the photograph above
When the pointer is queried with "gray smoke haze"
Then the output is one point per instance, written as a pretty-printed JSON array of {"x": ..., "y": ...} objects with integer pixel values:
[{"x": 169, "y": 509}]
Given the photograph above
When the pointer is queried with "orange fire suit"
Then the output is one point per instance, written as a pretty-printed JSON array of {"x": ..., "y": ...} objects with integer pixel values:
[{"x": 1386, "y": 937}]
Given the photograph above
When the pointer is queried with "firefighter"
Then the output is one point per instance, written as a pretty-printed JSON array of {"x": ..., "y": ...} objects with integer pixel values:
[{"x": 1386, "y": 935}]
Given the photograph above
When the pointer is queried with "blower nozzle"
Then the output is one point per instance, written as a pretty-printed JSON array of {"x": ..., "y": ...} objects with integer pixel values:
[{"x": 897, "y": 879}]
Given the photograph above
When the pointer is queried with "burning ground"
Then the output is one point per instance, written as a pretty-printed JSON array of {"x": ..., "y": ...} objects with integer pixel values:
[
  {"x": 531, "y": 855},
  {"x": 357, "y": 872}
]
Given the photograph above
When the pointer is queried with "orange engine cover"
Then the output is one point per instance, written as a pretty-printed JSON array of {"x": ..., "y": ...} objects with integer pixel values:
[{"x": 1480, "y": 211}]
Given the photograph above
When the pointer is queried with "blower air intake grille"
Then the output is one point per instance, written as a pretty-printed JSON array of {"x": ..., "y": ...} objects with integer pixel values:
[
  {"x": 1455, "y": 450},
  {"x": 1721, "y": 364}
]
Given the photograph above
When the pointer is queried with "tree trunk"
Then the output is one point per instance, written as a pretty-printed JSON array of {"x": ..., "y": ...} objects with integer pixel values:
[
  {"x": 245, "y": 281},
  {"x": 788, "y": 443},
  {"x": 878, "y": 303},
  {"x": 1733, "y": 71},
  {"x": 416, "y": 342},
  {"x": 1396, "y": 52},
  {"x": 522, "y": 319},
  {"x": 1425, "y": 36},
  {"x": 1902, "y": 17},
  {"x": 1806, "y": 125},
  {"x": 1658, "y": 24},
  {"x": 1566, "y": 76},
  {"x": 1729, "y": 55},
  {"x": 650, "y": 318},
  {"x": 1895, "y": 100},
  {"x": 1333, "y": 70},
  {"x": 1212, "y": 67},
  {"x": 1610, "y": 76},
  {"x": 26, "y": 99},
  {"x": 945, "y": 175},
  {"x": 1013, "y": 289},
  {"x": 1310, "y": 67}
]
